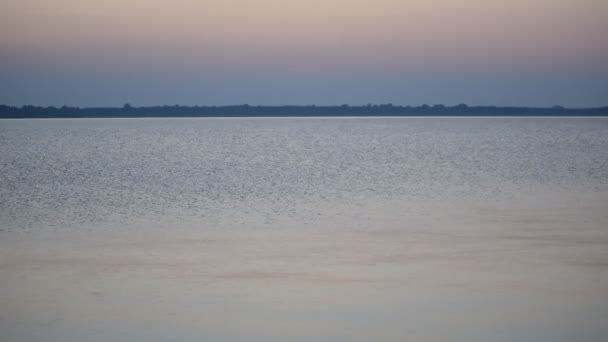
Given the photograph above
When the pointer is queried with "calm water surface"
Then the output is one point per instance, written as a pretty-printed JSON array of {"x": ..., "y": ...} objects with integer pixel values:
[{"x": 315, "y": 229}]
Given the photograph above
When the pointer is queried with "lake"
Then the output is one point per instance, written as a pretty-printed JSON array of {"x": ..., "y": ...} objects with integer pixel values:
[{"x": 304, "y": 229}]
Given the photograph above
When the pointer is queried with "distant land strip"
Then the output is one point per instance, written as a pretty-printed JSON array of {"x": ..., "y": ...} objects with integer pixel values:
[{"x": 128, "y": 111}]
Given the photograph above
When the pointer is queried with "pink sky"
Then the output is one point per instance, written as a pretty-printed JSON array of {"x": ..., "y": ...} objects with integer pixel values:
[{"x": 272, "y": 40}]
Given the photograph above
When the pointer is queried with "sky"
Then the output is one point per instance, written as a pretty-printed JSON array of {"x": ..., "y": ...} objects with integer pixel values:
[{"x": 273, "y": 52}]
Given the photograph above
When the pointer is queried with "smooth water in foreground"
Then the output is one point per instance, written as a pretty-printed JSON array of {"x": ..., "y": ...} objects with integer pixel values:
[{"x": 315, "y": 229}]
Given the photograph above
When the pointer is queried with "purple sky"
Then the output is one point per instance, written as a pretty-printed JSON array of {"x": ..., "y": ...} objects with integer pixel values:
[{"x": 213, "y": 52}]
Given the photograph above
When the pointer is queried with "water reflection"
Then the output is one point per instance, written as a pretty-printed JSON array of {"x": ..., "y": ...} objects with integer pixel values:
[{"x": 314, "y": 230}]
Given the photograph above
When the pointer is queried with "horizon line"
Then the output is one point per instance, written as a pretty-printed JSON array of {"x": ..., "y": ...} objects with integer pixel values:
[{"x": 344, "y": 105}]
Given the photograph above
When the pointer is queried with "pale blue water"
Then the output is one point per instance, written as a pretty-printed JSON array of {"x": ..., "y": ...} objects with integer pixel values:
[
  {"x": 72, "y": 172},
  {"x": 316, "y": 229}
]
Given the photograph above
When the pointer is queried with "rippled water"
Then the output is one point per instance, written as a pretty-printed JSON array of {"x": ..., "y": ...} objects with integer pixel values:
[
  {"x": 311, "y": 229},
  {"x": 66, "y": 172}
]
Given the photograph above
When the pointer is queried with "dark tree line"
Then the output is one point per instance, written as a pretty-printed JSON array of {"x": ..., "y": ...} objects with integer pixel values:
[{"x": 128, "y": 111}]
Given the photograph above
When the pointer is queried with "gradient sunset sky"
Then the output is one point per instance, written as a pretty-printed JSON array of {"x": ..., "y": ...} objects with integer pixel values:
[{"x": 270, "y": 52}]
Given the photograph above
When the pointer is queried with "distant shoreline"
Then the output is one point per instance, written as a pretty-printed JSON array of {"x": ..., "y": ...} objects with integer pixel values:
[{"x": 388, "y": 110}]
